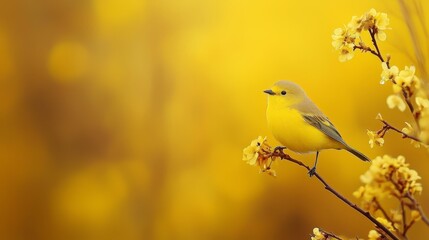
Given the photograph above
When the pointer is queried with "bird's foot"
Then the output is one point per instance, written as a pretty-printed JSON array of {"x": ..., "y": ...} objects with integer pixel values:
[{"x": 312, "y": 171}]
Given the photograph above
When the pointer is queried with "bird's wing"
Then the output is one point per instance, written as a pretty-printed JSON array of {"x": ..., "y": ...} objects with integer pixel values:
[
  {"x": 312, "y": 115},
  {"x": 324, "y": 125}
]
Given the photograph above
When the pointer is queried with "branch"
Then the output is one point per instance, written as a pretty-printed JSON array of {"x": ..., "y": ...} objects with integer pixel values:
[
  {"x": 405, "y": 227},
  {"x": 374, "y": 41},
  {"x": 406, "y": 93},
  {"x": 386, "y": 215},
  {"x": 408, "y": 100},
  {"x": 331, "y": 235},
  {"x": 365, "y": 49},
  {"x": 419, "y": 208},
  {"x": 279, "y": 153},
  {"x": 388, "y": 127}
]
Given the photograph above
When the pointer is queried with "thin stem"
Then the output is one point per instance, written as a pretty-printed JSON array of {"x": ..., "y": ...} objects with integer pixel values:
[
  {"x": 366, "y": 49},
  {"x": 407, "y": 228},
  {"x": 406, "y": 94},
  {"x": 328, "y": 234},
  {"x": 384, "y": 213},
  {"x": 407, "y": 100},
  {"x": 284, "y": 156},
  {"x": 404, "y": 220},
  {"x": 387, "y": 127},
  {"x": 414, "y": 203},
  {"x": 418, "y": 207},
  {"x": 374, "y": 41}
]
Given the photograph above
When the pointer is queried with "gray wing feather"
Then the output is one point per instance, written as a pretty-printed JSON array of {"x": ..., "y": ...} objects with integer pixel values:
[
  {"x": 312, "y": 115},
  {"x": 325, "y": 126}
]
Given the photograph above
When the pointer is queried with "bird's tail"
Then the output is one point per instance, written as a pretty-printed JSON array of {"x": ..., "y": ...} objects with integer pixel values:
[{"x": 358, "y": 154}]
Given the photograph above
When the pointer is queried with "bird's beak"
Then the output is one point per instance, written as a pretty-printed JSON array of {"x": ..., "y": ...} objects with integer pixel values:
[{"x": 269, "y": 91}]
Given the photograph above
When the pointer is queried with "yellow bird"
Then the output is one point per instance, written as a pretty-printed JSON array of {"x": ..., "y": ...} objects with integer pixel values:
[{"x": 298, "y": 124}]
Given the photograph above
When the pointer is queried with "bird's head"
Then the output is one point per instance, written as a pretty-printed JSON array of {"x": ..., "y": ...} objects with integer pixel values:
[{"x": 284, "y": 94}]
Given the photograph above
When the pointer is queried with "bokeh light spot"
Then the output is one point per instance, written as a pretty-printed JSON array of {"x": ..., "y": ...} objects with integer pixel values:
[
  {"x": 113, "y": 13},
  {"x": 91, "y": 196},
  {"x": 68, "y": 61}
]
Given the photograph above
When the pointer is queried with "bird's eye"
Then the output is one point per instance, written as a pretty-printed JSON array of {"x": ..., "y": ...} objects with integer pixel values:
[{"x": 283, "y": 92}]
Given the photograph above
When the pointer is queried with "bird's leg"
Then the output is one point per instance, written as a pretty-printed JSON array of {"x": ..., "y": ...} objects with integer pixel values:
[{"x": 313, "y": 169}]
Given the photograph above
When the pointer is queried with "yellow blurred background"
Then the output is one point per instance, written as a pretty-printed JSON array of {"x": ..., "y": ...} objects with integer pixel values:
[{"x": 127, "y": 119}]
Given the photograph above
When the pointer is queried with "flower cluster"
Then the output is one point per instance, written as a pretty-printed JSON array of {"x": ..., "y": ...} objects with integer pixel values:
[
  {"x": 319, "y": 234},
  {"x": 403, "y": 79},
  {"x": 408, "y": 92},
  {"x": 375, "y": 138},
  {"x": 258, "y": 153},
  {"x": 344, "y": 40},
  {"x": 348, "y": 38},
  {"x": 387, "y": 178},
  {"x": 407, "y": 87}
]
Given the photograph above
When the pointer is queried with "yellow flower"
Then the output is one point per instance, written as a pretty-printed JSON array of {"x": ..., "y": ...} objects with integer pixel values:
[
  {"x": 374, "y": 139},
  {"x": 407, "y": 74},
  {"x": 373, "y": 235},
  {"x": 388, "y": 176},
  {"x": 342, "y": 36},
  {"x": 397, "y": 88},
  {"x": 379, "y": 117},
  {"x": 386, "y": 223},
  {"x": 359, "y": 193},
  {"x": 381, "y": 22},
  {"x": 355, "y": 24},
  {"x": 415, "y": 215},
  {"x": 338, "y": 38},
  {"x": 347, "y": 38},
  {"x": 259, "y": 153},
  {"x": 317, "y": 234},
  {"x": 251, "y": 152},
  {"x": 376, "y": 21},
  {"x": 406, "y": 78},
  {"x": 396, "y": 216},
  {"x": 346, "y": 52},
  {"x": 422, "y": 103},
  {"x": 343, "y": 40},
  {"x": 388, "y": 74},
  {"x": 408, "y": 129},
  {"x": 396, "y": 101},
  {"x": 368, "y": 19}
]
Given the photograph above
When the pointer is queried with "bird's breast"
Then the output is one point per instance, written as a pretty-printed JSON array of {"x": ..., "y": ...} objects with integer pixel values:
[{"x": 291, "y": 130}]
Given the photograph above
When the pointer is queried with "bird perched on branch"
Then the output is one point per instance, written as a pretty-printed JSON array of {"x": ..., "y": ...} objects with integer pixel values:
[{"x": 298, "y": 124}]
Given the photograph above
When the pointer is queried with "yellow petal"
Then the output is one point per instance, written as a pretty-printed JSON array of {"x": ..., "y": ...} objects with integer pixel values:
[
  {"x": 381, "y": 35},
  {"x": 396, "y": 101}
]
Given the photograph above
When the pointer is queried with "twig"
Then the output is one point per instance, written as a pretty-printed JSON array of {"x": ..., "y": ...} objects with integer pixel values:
[
  {"x": 329, "y": 234},
  {"x": 384, "y": 213},
  {"x": 404, "y": 221},
  {"x": 365, "y": 49},
  {"x": 418, "y": 207},
  {"x": 374, "y": 42},
  {"x": 406, "y": 93},
  {"x": 284, "y": 156},
  {"x": 414, "y": 203},
  {"x": 407, "y": 96},
  {"x": 388, "y": 127}
]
